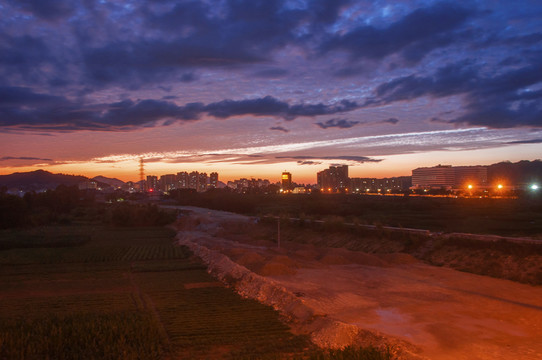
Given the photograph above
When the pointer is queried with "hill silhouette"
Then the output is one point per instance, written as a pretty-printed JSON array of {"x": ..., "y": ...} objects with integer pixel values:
[
  {"x": 522, "y": 172},
  {"x": 108, "y": 181},
  {"x": 39, "y": 180}
]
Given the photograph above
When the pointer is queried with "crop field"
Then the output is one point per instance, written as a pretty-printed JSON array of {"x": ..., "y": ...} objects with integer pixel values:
[{"x": 92, "y": 292}]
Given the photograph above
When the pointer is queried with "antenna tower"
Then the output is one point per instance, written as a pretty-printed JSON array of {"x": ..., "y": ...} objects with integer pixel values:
[{"x": 141, "y": 174}]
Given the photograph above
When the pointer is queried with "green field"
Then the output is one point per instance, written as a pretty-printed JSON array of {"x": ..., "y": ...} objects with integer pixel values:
[{"x": 129, "y": 293}]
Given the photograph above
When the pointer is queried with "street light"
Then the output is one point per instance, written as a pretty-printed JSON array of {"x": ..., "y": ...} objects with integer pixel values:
[{"x": 534, "y": 187}]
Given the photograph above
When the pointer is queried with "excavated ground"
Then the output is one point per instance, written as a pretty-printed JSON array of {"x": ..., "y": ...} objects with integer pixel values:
[{"x": 342, "y": 297}]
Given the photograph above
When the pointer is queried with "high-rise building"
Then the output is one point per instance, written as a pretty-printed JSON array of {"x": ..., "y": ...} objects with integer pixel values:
[
  {"x": 286, "y": 181},
  {"x": 202, "y": 182},
  {"x": 213, "y": 180},
  {"x": 333, "y": 179},
  {"x": 168, "y": 182},
  {"x": 183, "y": 181},
  {"x": 152, "y": 182},
  {"x": 193, "y": 178}
]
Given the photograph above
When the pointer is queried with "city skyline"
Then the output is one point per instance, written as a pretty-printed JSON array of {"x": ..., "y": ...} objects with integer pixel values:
[{"x": 256, "y": 88}]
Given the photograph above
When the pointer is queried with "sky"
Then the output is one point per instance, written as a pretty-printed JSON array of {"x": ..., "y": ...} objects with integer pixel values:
[{"x": 251, "y": 88}]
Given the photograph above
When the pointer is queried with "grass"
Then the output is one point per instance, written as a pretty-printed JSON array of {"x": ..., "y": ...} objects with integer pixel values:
[
  {"x": 119, "y": 335},
  {"x": 124, "y": 293}
]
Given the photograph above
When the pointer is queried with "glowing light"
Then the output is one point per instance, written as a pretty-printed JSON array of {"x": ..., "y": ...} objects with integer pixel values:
[
  {"x": 534, "y": 187},
  {"x": 499, "y": 186},
  {"x": 469, "y": 186}
]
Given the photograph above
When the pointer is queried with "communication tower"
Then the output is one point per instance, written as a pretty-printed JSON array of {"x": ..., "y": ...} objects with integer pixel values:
[{"x": 141, "y": 175}]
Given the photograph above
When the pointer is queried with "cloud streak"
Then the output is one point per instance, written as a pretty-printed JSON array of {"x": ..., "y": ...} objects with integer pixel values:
[
  {"x": 352, "y": 158},
  {"x": 25, "y": 158}
]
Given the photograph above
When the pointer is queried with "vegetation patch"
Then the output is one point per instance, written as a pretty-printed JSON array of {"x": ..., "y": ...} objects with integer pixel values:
[{"x": 130, "y": 293}]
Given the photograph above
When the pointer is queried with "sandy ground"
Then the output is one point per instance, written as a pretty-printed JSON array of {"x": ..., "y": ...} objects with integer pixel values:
[{"x": 446, "y": 314}]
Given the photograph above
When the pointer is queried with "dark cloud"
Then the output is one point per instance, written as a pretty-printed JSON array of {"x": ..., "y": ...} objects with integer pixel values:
[
  {"x": 47, "y": 10},
  {"x": 194, "y": 34},
  {"x": 494, "y": 115},
  {"x": 25, "y": 58},
  {"x": 261, "y": 106},
  {"x": 337, "y": 123},
  {"x": 416, "y": 34},
  {"x": 279, "y": 128},
  {"x": 308, "y": 162},
  {"x": 116, "y": 44},
  {"x": 69, "y": 49},
  {"x": 272, "y": 73},
  {"x": 22, "y": 96},
  {"x": 353, "y": 158},
  {"x": 519, "y": 40},
  {"x": 270, "y": 106},
  {"x": 188, "y": 77},
  {"x": 391, "y": 121},
  {"x": 136, "y": 63},
  {"x": 448, "y": 80},
  {"x": 6, "y": 158},
  {"x": 500, "y": 100},
  {"x": 348, "y": 72},
  {"x": 533, "y": 141},
  {"x": 21, "y": 108}
]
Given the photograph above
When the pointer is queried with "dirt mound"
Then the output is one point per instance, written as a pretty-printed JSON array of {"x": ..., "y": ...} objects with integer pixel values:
[
  {"x": 398, "y": 258},
  {"x": 308, "y": 253},
  {"x": 333, "y": 259},
  {"x": 363, "y": 258},
  {"x": 265, "y": 243},
  {"x": 283, "y": 259},
  {"x": 251, "y": 260},
  {"x": 273, "y": 268},
  {"x": 250, "y": 257}
]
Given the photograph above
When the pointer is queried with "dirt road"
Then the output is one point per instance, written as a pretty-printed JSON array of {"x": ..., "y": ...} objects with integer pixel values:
[{"x": 446, "y": 314}]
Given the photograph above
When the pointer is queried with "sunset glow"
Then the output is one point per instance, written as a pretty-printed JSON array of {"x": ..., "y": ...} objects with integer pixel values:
[{"x": 254, "y": 88}]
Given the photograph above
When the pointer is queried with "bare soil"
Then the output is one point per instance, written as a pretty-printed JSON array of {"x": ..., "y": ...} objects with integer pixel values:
[{"x": 431, "y": 312}]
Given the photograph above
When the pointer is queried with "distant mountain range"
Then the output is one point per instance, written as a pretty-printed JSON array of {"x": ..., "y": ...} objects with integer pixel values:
[
  {"x": 512, "y": 173},
  {"x": 41, "y": 180},
  {"x": 109, "y": 181},
  {"x": 522, "y": 172}
]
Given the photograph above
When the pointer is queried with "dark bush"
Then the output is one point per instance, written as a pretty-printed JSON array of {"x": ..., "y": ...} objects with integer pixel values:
[{"x": 124, "y": 214}]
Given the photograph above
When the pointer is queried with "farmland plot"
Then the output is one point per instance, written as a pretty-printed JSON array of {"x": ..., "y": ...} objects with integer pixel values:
[{"x": 127, "y": 294}]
